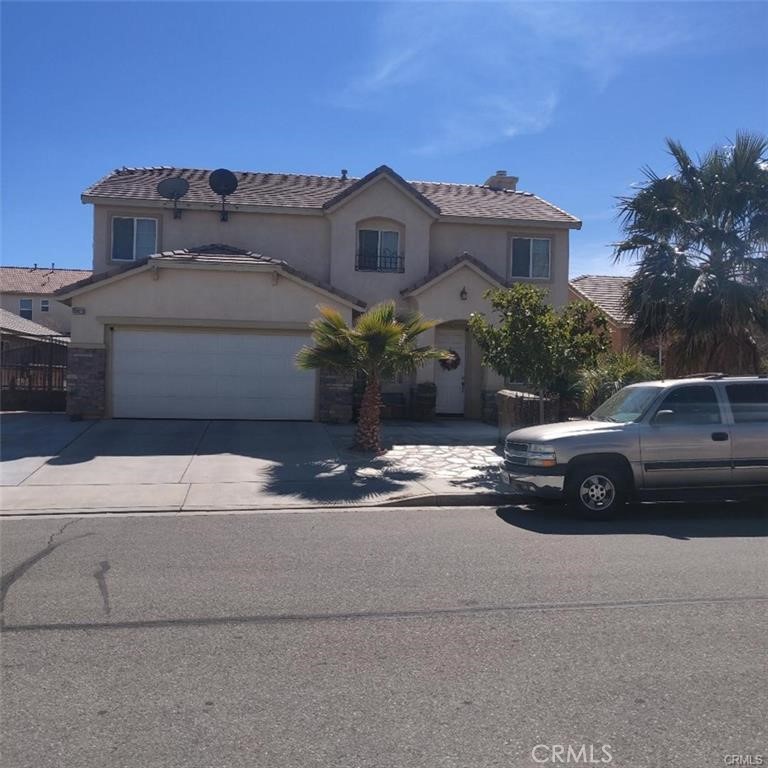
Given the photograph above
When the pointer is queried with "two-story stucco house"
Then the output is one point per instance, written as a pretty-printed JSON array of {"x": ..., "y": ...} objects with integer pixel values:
[{"x": 189, "y": 315}]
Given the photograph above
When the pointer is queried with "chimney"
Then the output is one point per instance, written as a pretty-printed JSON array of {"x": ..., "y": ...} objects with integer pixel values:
[
  {"x": 500, "y": 181},
  {"x": 343, "y": 174}
]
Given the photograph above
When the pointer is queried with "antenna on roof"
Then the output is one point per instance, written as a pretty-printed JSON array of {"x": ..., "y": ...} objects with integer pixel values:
[
  {"x": 173, "y": 189},
  {"x": 223, "y": 182}
]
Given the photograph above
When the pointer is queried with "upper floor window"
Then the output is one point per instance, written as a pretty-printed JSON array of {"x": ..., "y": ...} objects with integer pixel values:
[
  {"x": 530, "y": 257},
  {"x": 25, "y": 308},
  {"x": 378, "y": 250},
  {"x": 44, "y": 305},
  {"x": 133, "y": 238}
]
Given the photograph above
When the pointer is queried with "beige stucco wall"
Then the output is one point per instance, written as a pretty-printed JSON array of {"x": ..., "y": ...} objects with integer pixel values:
[
  {"x": 491, "y": 244},
  {"x": 384, "y": 201},
  {"x": 302, "y": 241},
  {"x": 57, "y": 318},
  {"x": 187, "y": 296}
]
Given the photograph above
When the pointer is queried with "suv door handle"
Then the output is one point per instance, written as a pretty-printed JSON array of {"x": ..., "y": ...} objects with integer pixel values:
[{"x": 718, "y": 437}]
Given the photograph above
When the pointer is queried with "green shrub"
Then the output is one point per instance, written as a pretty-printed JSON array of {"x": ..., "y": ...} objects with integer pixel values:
[{"x": 613, "y": 371}]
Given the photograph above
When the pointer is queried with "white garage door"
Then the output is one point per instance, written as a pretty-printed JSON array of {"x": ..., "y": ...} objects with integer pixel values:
[{"x": 159, "y": 374}]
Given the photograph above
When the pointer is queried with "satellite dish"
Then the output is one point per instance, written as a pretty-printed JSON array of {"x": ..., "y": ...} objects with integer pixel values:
[
  {"x": 223, "y": 182},
  {"x": 173, "y": 189}
]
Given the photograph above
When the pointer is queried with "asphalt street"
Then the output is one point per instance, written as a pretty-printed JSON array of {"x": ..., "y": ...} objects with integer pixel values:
[{"x": 392, "y": 638}]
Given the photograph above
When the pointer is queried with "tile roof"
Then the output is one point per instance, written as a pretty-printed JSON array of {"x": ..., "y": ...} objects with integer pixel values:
[
  {"x": 314, "y": 192},
  {"x": 16, "y": 324},
  {"x": 215, "y": 253},
  {"x": 607, "y": 292},
  {"x": 465, "y": 258},
  {"x": 38, "y": 280}
]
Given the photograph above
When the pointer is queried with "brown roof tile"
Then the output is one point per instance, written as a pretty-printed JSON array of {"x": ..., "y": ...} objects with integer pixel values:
[
  {"x": 17, "y": 325},
  {"x": 607, "y": 292},
  {"x": 38, "y": 280},
  {"x": 304, "y": 191},
  {"x": 215, "y": 253}
]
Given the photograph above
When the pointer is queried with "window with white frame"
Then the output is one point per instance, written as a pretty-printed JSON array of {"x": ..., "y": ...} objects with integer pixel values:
[
  {"x": 44, "y": 305},
  {"x": 530, "y": 257},
  {"x": 25, "y": 308},
  {"x": 378, "y": 250},
  {"x": 133, "y": 238}
]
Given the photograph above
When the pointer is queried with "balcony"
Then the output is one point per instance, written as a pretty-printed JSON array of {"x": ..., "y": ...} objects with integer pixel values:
[{"x": 385, "y": 261}]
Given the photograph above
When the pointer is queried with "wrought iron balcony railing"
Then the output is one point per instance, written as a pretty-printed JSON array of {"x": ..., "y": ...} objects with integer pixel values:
[{"x": 383, "y": 262}]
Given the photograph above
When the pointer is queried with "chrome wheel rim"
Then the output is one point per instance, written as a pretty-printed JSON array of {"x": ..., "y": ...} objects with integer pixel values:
[{"x": 597, "y": 492}]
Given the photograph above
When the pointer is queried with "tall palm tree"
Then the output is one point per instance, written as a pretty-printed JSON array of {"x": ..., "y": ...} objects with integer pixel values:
[
  {"x": 700, "y": 237},
  {"x": 379, "y": 345}
]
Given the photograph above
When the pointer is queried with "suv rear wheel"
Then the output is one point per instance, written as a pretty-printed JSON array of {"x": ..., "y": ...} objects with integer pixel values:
[{"x": 596, "y": 492}]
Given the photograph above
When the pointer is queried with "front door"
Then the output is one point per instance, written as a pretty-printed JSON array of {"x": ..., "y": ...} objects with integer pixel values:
[{"x": 449, "y": 379}]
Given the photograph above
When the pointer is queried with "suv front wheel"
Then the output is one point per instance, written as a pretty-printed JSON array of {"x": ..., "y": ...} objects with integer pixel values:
[{"x": 597, "y": 492}]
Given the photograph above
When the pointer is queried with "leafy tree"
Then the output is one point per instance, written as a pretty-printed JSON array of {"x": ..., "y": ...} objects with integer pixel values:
[
  {"x": 611, "y": 372},
  {"x": 530, "y": 341},
  {"x": 379, "y": 345},
  {"x": 700, "y": 237}
]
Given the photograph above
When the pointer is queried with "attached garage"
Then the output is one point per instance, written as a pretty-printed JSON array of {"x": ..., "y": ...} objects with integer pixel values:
[
  {"x": 191, "y": 374},
  {"x": 204, "y": 333}
]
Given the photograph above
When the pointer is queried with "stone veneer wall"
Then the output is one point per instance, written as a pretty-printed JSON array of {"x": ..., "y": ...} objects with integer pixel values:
[
  {"x": 335, "y": 396},
  {"x": 86, "y": 382}
]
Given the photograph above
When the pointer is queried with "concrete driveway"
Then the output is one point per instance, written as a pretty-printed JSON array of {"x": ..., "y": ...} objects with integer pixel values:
[{"x": 52, "y": 464}]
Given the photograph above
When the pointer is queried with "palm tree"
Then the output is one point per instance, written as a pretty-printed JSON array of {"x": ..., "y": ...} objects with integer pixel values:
[
  {"x": 700, "y": 237},
  {"x": 379, "y": 345}
]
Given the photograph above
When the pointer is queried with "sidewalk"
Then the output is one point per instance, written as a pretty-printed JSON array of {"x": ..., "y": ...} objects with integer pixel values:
[{"x": 53, "y": 466}]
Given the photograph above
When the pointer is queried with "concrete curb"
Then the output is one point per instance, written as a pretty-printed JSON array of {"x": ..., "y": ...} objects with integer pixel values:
[{"x": 426, "y": 500}]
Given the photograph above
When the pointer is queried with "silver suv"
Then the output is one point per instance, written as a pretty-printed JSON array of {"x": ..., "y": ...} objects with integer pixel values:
[{"x": 700, "y": 436}]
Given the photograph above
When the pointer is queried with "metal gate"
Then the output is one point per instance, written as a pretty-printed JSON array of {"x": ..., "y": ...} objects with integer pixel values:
[{"x": 33, "y": 373}]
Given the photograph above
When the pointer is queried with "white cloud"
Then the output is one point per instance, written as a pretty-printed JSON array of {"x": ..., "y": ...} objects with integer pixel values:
[{"x": 483, "y": 73}]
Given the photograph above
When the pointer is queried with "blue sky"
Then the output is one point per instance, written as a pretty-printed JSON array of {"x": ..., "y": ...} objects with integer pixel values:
[{"x": 574, "y": 98}]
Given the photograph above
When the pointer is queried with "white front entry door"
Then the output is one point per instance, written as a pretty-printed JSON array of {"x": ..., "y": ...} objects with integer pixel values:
[
  {"x": 450, "y": 383},
  {"x": 185, "y": 374}
]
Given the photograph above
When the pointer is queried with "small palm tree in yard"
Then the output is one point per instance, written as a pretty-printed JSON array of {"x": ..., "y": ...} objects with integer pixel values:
[{"x": 380, "y": 345}]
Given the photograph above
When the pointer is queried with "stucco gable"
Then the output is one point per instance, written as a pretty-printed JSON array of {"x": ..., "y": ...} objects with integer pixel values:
[
  {"x": 376, "y": 176},
  {"x": 465, "y": 261},
  {"x": 214, "y": 256}
]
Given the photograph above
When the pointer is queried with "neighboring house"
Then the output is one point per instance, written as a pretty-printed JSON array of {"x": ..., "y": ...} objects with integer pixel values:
[
  {"x": 170, "y": 327},
  {"x": 607, "y": 293},
  {"x": 29, "y": 293},
  {"x": 33, "y": 362}
]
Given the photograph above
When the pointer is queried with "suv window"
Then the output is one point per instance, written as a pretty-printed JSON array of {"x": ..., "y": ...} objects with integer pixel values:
[
  {"x": 696, "y": 404},
  {"x": 749, "y": 402}
]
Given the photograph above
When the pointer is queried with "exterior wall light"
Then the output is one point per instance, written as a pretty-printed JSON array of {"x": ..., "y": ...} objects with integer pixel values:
[{"x": 463, "y": 294}]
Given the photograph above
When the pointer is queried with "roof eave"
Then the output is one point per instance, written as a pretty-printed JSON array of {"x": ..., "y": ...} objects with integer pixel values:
[
  {"x": 510, "y": 222},
  {"x": 132, "y": 202}
]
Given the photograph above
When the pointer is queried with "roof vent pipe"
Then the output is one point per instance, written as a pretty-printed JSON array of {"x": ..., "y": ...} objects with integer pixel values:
[{"x": 344, "y": 174}]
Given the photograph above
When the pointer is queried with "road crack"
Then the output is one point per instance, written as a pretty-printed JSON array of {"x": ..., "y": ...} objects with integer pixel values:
[{"x": 7, "y": 580}]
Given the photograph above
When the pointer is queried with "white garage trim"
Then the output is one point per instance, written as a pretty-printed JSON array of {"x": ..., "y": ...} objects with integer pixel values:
[{"x": 180, "y": 373}]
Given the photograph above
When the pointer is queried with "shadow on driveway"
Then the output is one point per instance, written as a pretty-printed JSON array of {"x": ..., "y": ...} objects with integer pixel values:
[{"x": 676, "y": 521}]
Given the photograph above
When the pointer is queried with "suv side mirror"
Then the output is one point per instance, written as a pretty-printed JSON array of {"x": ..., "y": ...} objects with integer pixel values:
[{"x": 664, "y": 417}]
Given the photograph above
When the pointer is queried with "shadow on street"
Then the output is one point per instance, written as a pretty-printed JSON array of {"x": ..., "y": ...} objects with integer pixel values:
[{"x": 674, "y": 520}]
